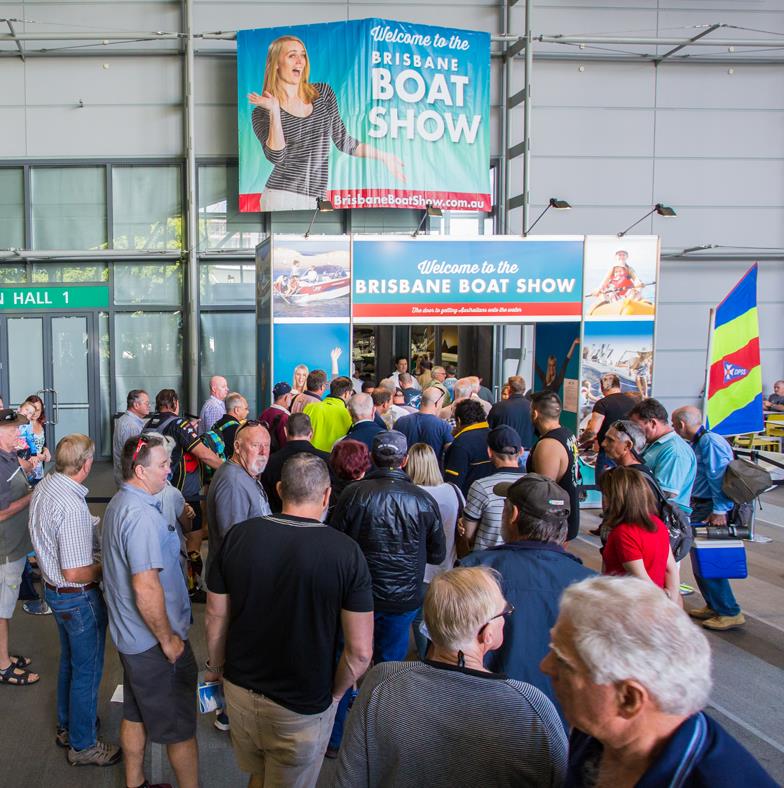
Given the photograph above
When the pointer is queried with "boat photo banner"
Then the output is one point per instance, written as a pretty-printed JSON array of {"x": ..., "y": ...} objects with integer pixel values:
[{"x": 368, "y": 113}]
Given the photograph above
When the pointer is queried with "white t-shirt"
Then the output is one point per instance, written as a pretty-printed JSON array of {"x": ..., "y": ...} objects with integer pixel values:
[{"x": 449, "y": 500}]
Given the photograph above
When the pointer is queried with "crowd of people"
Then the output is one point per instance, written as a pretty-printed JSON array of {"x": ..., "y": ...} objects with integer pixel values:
[{"x": 346, "y": 521}]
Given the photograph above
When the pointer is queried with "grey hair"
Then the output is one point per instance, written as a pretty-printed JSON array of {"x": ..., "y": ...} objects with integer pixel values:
[
  {"x": 632, "y": 431},
  {"x": 626, "y": 628},
  {"x": 688, "y": 415},
  {"x": 233, "y": 400},
  {"x": 360, "y": 406},
  {"x": 463, "y": 389}
]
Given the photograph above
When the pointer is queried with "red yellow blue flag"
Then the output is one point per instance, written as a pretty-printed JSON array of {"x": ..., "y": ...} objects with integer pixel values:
[{"x": 734, "y": 390}]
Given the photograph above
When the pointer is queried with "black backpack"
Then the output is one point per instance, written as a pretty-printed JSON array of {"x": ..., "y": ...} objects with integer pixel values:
[{"x": 677, "y": 522}]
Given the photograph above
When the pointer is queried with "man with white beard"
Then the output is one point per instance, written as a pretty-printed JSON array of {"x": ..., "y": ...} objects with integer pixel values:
[{"x": 236, "y": 493}]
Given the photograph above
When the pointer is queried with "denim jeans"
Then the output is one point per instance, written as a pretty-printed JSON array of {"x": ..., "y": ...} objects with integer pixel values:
[
  {"x": 390, "y": 635},
  {"x": 716, "y": 591},
  {"x": 81, "y": 623},
  {"x": 390, "y": 644}
]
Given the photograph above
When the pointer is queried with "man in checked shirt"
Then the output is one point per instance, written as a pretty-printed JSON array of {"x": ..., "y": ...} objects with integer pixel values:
[{"x": 64, "y": 536}]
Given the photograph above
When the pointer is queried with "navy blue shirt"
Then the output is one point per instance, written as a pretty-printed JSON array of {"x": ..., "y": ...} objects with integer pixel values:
[
  {"x": 364, "y": 432},
  {"x": 466, "y": 459},
  {"x": 514, "y": 412},
  {"x": 700, "y": 754},
  {"x": 535, "y": 575},
  {"x": 425, "y": 428}
]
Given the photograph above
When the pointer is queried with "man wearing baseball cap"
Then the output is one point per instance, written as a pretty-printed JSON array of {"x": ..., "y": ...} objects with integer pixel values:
[
  {"x": 535, "y": 569},
  {"x": 398, "y": 528},
  {"x": 276, "y": 416},
  {"x": 481, "y": 523}
]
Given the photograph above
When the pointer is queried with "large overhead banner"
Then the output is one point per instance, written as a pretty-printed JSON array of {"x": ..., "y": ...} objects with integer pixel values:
[
  {"x": 368, "y": 113},
  {"x": 487, "y": 280}
]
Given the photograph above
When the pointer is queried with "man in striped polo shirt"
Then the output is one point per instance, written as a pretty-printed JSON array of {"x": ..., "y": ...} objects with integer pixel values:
[
  {"x": 64, "y": 536},
  {"x": 481, "y": 524}
]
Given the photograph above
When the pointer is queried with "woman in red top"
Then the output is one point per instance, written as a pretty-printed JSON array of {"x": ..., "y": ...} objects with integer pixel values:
[{"x": 638, "y": 542}]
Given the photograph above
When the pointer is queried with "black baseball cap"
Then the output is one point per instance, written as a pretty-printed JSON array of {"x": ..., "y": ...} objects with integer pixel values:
[
  {"x": 389, "y": 445},
  {"x": 279, "y": 389},
  {"x": 536, "y": 495},
  {"x": 10, "y": 418},
  {"x": 504, "y": 440}
]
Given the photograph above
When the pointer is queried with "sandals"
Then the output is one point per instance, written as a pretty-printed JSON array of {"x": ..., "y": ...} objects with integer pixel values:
[
  {"x": 20, "y": 662},
  {"x": 17, "y": 677}
]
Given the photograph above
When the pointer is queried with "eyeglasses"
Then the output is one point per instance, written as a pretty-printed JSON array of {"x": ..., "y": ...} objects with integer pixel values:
[
  {"x": 143, "y": 441},
  {"x": 505, "y": 613},
  {"x": 248, "y": 423}
]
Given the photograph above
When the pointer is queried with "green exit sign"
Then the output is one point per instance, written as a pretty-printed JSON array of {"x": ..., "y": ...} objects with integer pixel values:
[{"x": 83, "y": 297}]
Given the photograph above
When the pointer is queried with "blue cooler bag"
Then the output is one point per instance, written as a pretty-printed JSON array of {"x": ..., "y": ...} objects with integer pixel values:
[{"x": 720, "y": 558}]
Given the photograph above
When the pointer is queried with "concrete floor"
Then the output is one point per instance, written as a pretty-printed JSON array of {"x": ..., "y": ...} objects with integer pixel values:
[{"x": 748, "y": 666}]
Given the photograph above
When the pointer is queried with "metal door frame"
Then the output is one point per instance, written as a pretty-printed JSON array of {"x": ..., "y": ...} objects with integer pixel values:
[{"x": 94, "y": 416}]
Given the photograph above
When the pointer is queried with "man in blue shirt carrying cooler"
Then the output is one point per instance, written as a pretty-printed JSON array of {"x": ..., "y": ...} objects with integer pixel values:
[{"x": 711, "y": 506}]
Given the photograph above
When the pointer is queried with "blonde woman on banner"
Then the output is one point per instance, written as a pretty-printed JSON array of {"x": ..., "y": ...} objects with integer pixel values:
[{"x": 295, "y": 121}]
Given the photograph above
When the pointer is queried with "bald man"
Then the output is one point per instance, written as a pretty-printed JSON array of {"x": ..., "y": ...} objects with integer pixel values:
[
  {"x": 709, "y": 505},
  {"x": 215, "y": 407}
]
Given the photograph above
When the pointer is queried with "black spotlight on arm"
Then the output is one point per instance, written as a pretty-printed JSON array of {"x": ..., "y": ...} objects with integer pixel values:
[
  {"x": 322, "y": 206},
  {"x": 559, "y": 205},
  {"x": 430, "y": 210},
  {"x": 662, "y": 210}
]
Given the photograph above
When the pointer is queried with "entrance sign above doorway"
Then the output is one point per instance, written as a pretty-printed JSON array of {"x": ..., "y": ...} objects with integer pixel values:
[
  {"x": 49, "y": 298},
  {"x": 487, "y": 280}
]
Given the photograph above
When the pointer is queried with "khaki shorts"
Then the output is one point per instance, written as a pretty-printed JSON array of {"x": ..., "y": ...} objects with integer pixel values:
[
  {"x": 280, "y": 746},
  {"x": 10, "y": 578}
]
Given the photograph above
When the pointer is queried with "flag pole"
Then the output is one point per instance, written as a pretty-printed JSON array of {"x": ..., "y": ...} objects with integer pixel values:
[{"x": 706, "y": 392}]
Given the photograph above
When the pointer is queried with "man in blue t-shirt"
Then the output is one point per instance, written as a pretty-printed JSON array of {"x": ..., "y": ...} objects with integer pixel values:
[
  {"x": 667, "y": 454},
  {"x": 425, "y": 426},
  {"x": 150, "y": 616}
]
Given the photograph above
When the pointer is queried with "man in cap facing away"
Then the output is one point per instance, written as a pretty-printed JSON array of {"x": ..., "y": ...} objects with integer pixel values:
[
  {"x": 535, "y": 569},
  {"x": 398, "y": 527}
]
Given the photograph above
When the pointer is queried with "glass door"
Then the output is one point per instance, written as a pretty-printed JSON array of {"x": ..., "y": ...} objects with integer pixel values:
[{"x": 54, "y": 356}]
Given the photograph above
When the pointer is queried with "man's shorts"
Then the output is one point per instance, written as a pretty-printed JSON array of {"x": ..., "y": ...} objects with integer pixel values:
[
  {"x": 10, "y": 578},
  {"x": 160, "y": 695}
]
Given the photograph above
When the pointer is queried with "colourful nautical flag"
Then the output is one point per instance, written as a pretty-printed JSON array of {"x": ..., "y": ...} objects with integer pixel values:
[{"x": 734, "y": 391}]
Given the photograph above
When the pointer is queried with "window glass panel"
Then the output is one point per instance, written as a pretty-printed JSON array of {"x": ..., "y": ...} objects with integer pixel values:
[
  {"x": 147, "y": 207},
  {"x": 148, "y": 353},
  {"x": 104, "y": 356},
  {"x": 227, "y": 283},
  {"x": 221, "y": 225},
  {"x": 11, "y": 274},
  {"x": 228, "y": 344},
  {"x": 154, "y": 283},
  {"x": 12, "y": 208},
  {"x": 69, "y": 207},
  {"x": 54, "y": 272}
]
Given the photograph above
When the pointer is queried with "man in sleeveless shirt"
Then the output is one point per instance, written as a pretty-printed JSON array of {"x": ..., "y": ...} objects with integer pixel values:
[{"x": 555, "y": 453}]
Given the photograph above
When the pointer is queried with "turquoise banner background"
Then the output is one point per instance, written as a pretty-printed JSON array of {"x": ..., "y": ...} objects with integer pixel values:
[{"x": 453, "y": 69}]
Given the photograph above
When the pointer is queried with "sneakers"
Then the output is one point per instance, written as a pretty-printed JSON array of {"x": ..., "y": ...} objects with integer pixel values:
[
  {"x": 222, "y": 720},
  {"x": 100, "y": 754},
  {"x": 702, "y": 613},
  {"x": 720, "y": 623},
  {"x": 37, "y": 607}
]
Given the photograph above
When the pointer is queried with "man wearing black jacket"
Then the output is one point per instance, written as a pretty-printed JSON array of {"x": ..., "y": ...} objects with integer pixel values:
[{"x": 398, "y": 527}]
